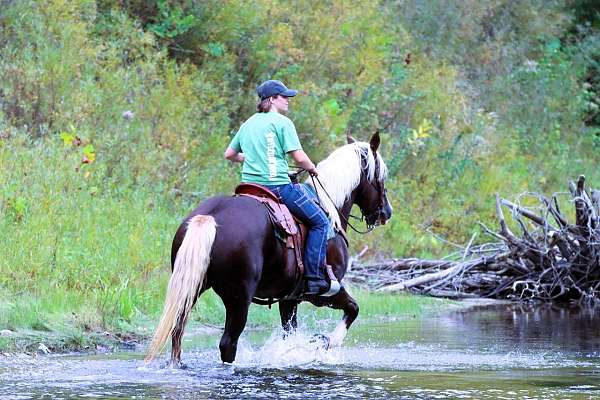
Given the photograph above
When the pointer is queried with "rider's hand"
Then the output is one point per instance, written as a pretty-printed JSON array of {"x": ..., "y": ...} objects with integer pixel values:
[{"x": 312, "y": 171}]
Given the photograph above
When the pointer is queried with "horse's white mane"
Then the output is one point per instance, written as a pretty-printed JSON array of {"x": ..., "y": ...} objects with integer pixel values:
[{"x": 340, "y": 174}]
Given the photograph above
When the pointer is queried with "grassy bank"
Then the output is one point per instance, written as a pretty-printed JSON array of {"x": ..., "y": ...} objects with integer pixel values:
[{"x": 45, "y": 322}]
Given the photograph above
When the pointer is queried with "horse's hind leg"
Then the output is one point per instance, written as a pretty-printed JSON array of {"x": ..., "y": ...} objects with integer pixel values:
[
  {"x": 177, "y": 335},
  {"x": 288, "y": 313},
  {"x": 236, "y": 314},
  {"x": 176, "y": 342}
]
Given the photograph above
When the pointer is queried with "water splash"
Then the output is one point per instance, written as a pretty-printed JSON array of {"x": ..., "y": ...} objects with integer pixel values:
[{"x": 296, "y": 350}]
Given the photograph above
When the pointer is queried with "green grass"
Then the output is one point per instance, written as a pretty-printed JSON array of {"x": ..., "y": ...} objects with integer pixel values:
[
  {"x": 210, "y": 310},
  {"x": 59, "y": 324}
]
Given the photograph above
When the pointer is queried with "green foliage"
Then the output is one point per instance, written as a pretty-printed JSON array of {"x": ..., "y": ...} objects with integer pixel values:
[
  {"x": 114, "y": 117},
  {"x": 170, "y": 22}
]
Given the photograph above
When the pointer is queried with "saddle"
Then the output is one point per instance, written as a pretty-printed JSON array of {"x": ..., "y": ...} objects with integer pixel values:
[
  {"x": 293, "y": 233},
  {"x": 291, "y": 230}
]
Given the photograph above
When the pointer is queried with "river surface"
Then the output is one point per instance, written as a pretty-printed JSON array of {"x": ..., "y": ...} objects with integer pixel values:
[{"x": 482, "y": 352}]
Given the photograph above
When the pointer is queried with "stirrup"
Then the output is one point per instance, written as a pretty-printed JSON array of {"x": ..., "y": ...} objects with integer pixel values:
[
  {"x": 334, "y": 285},
  {"x": 334, "y": 288}
]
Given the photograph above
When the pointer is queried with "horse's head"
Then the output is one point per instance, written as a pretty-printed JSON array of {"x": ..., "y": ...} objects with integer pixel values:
[
  {"x": 355, "y": 174},
  {"x": 371, "y": 194}
]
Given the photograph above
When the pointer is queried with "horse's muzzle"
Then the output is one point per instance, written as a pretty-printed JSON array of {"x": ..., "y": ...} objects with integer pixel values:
[{"x": 385, "y": 214}]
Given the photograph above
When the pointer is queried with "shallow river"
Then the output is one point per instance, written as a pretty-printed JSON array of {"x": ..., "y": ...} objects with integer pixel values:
[{"x": 484, "y": 352}]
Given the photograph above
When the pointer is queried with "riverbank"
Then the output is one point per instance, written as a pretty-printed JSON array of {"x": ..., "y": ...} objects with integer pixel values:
[{"x": 61, "y": 332}]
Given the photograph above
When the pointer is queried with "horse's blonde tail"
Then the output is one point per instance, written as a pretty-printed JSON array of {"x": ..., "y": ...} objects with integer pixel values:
[{"x": 189, "y": 271}]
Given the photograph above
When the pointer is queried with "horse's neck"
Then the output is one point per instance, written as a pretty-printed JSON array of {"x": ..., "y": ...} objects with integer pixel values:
[{"x": 345, "y": 211}]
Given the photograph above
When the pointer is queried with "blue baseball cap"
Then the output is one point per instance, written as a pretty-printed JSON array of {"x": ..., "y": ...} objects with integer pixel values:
[{"x": 273, "y": 88}]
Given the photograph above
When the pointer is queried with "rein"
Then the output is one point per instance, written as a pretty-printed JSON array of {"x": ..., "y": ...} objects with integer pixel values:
[{"x": 346, "y": 220}]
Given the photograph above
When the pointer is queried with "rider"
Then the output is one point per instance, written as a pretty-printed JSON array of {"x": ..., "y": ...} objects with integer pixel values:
[{"x": 261, "y": 144}]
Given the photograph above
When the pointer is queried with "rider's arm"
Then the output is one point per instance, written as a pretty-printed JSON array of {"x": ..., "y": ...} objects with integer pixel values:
[
  {"x": 234, "y": 156},
  {"x": 302, "y": 160}
]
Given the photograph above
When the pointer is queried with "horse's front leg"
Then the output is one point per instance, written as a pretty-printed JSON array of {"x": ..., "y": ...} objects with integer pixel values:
[
  {"x": 342, "y": 301},
  {"x": 288, "y": 313}
]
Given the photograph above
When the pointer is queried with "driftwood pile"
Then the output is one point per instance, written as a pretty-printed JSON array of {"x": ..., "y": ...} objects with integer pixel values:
[{"x": 550, "y": 259}]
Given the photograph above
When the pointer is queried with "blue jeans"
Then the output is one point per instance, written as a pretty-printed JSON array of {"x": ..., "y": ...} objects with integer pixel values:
[{"x": 302, "y": 205}]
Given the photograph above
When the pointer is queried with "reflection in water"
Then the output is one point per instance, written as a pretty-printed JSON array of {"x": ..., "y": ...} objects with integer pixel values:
[
  {"x": 542, "y": 327},
  {"x": 487, "y": 352}
]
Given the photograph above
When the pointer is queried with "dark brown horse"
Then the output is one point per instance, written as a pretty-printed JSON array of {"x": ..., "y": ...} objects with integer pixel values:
[{"x": 228, "y": 244}]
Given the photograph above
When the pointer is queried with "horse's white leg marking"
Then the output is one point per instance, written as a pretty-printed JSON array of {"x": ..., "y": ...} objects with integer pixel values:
[{"x": 338, "y": 334}]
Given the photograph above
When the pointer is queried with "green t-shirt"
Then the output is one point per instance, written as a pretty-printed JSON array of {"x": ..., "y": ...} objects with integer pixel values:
[{"x": 265, "y": 138}]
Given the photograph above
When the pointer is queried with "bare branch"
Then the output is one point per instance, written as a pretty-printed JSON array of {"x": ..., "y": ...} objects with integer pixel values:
[{"x": 547, "y": 263}]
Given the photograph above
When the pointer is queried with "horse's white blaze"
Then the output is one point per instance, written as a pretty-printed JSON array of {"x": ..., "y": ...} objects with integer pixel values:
[
  {"x": 339, "y": 333},
  {"x": 190, "y": 268},
  {"x": 340, "y": 174}
]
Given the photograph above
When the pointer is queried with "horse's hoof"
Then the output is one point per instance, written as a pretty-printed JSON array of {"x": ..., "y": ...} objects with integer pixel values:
[
  {"x": 181, "y": 365},
  {"x": 287, "y": 334},
  {"x": 321, "y": 340},
  {"x": 173, "y": 365}
]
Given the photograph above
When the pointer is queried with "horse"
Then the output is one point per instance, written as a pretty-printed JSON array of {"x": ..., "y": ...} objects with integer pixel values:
[{"x": 228, "y": 244}]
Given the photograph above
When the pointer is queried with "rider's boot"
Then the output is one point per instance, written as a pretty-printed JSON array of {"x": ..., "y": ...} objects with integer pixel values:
[
  {"x": 315, "y": 285},
  {"x": 318, "y": 285}
]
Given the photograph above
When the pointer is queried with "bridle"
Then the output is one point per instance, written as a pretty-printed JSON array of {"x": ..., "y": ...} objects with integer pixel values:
[
  {"x": 373, "y": 216},
  {"x": 382, "y": 191}
]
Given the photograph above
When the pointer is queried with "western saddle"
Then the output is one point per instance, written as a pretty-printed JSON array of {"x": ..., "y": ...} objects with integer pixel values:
[{"x": 292, "y": 232}]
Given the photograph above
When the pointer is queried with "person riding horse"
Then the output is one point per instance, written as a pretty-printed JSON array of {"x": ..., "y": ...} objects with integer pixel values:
[
  {"x": 261, "y": 144},
  {"x": 210, "y": 252}
]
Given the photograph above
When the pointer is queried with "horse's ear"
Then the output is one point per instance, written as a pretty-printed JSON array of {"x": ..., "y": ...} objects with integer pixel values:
[
  {"x": 350, "y": 139},
  {"x": 374, "y": 142}
]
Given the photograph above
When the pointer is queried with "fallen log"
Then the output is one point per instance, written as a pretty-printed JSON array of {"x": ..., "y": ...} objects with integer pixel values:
[
  {"x": 550, "y": 260},
  {"x": 422, "y": 279}
]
